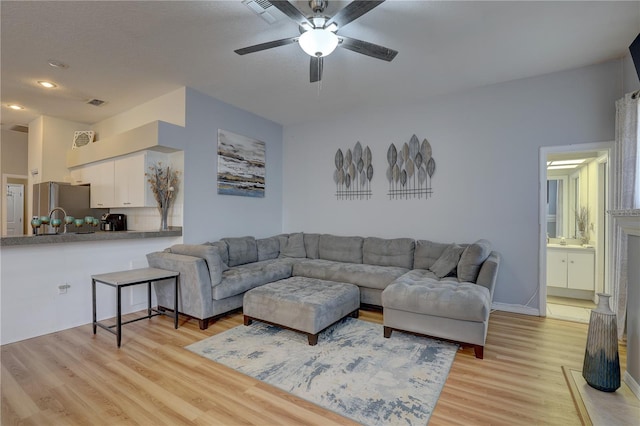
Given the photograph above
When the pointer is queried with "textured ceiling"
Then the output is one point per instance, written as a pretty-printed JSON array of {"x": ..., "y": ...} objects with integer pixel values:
[{"x": 129, "y": 52}]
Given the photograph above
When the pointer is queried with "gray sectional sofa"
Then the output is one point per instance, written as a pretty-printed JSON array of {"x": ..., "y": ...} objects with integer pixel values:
[{"x": 436, "y": 289}]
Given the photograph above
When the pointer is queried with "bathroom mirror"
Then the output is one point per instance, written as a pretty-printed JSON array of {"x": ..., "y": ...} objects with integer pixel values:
[{"x": 557, "y": 207}]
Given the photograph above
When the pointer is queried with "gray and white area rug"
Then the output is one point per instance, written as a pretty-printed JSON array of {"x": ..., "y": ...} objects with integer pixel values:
[{"x": 353, "y": 370}]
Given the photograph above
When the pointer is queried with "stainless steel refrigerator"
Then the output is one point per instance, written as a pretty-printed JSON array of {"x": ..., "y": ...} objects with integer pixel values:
[{"x": 74, "y": 200}]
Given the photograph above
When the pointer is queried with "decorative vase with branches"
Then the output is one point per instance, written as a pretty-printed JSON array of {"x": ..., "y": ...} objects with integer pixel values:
[
  {"x": 164, "y": 185},
  {"x": 582, "y": 222}
]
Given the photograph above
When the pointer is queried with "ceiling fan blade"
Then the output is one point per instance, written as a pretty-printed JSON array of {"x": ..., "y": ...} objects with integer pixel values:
[
  {"x": 315, "y": 69},
  {"x": 353, "y": 11},
  {"x": 369, "y": 49},
  {"x": 291, "y": 11},
  {"x": 265, "y": 46}
]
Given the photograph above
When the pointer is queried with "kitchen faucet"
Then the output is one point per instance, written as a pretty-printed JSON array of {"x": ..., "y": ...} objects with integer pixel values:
[{"x": 64, "y": 215}]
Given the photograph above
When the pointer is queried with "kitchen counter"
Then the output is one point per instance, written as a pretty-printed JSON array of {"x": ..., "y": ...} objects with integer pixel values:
[{"x": 94, "y": 236}]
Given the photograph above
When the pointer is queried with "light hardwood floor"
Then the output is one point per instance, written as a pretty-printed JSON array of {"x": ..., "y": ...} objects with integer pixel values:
[{"x": 72, "y": 377}]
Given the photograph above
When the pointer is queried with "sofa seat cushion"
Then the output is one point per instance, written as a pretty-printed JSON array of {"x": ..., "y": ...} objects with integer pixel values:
[
  {"x": 370, "y": 276},
  {"x": 421, "y": 292},
  {"x": 238, "y": 279}
]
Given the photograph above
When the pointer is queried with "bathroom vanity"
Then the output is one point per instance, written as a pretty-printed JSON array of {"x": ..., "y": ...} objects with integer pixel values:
[{"x": 571, "y": 271}]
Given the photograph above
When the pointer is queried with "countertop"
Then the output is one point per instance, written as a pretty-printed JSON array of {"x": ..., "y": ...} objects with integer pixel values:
[
  {"x": 570, "y": 246},
  {"x": 173, "y": 231}
]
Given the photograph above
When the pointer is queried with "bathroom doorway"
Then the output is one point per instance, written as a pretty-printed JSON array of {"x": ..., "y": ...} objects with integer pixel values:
[{"x": 574, "y": 229}]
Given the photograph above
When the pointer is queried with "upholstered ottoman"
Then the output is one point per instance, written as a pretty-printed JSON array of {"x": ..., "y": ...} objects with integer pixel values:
[{"x": 302, "y": 304}]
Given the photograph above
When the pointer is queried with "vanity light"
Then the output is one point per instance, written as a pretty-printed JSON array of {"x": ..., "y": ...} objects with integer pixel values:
[
  {"x": 565, "y": 162},
  {"x": 47, "y": 84},
  {"x": 16, "y": 107},
  {"x": 566, "y": 166}
]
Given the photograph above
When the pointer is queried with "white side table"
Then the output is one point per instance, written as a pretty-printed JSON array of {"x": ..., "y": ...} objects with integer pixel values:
[{"x": 122, "y": 279}]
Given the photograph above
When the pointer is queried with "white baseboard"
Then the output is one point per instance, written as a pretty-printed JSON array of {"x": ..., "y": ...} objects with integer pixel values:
[
  {"x": 516, "y": 309},
  {"x": 633, "y": 385}
]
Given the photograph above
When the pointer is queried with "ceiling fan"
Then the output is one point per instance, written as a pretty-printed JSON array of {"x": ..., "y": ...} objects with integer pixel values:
[{"x": 318, "y": 33}]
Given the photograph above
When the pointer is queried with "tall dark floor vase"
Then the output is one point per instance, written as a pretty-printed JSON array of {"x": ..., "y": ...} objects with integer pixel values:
[{"x": 601, "y": 368}]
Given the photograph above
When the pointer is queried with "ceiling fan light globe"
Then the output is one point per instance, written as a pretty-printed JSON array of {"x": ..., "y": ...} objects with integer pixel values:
[{"x": 318, "y": 42}]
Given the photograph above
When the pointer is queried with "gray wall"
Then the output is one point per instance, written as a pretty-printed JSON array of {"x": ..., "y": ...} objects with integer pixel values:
[
  {"x": 631, "y": 81},
  {"x": 207, "y": 215},
  {"x": 486, "y": 144}
]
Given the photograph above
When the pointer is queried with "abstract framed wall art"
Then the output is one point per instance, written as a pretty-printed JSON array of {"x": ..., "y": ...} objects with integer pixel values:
[{"x": 241, "y": 165}]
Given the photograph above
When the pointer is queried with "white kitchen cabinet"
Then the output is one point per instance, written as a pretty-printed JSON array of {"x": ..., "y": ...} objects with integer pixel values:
[
  {"x": 571, "y": 268},
  {"x": 102, "y": 190},
  {"x": 130, "y": 181},
  {"x": 79, "y": 176},
  {"x": 119, "y": 182},
  {"x": 100, "y": 176}
]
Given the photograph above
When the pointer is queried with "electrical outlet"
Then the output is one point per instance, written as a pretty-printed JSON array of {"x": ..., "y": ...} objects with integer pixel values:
[{"x": 62, "y": 289}]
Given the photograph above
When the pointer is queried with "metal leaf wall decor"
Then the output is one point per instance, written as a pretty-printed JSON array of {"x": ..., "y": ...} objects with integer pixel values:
[
  {"x": 410, "y": 169},
  {"x": 353, "y": 173}
]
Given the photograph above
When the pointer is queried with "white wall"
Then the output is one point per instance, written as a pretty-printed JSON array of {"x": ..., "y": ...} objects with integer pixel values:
[
  {"x": 486, "y": 146},
  {"x": 30, "y": 276},
  {"x": 169, "y": 107},
  {"x": 13, "y": 152}
]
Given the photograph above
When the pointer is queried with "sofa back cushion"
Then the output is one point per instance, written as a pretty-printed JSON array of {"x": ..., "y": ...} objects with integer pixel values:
[
  {"x": 426, "y": 253},
  {"x": 388, "y": 252},
  {"x": 292, "y": 245},
  {"x": 268, "y": 248},
  {"x": 207, "y": 252},
  {"x": 242, "y": 250},
  {"x": 340, "y": 249},
  {"x": 472, "y": 259},
  {"x": 311, "y": 245}
]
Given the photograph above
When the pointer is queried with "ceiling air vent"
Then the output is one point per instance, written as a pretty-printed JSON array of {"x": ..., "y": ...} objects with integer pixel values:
[
  {"x": 95, "y": 102},
  {"x": 20, "y": 128},
  {"x": 264, "y": 9}
]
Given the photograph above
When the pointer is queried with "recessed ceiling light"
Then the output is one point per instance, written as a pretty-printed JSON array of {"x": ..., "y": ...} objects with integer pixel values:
[
  {"x": 16, "y": 107},
  {"x": 47, "y": 84},
  {"x": 57, "y": 64}
]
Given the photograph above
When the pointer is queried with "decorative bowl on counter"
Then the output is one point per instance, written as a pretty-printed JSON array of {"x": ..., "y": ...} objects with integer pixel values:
[
  {"x": 44, "y": 220},
  {"x": 79, "y": 222},
  {"x": 69, "y": 220}
]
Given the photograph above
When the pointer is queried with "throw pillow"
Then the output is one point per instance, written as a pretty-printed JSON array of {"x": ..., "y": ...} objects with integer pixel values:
[
  {"x": 292, "y": 245},
  {"x": 426, "y": 253},
  {"x": 472, "y": 259},
  {"x": 268, "y": 248},
  {"x": 447, "y": 261}
]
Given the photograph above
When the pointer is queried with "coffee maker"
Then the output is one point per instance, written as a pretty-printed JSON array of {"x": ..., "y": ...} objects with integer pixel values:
[{"x": 113, "y": 222}]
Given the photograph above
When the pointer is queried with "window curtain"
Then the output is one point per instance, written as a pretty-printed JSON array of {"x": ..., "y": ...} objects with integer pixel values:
[{"x": 624, "y": 196}]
